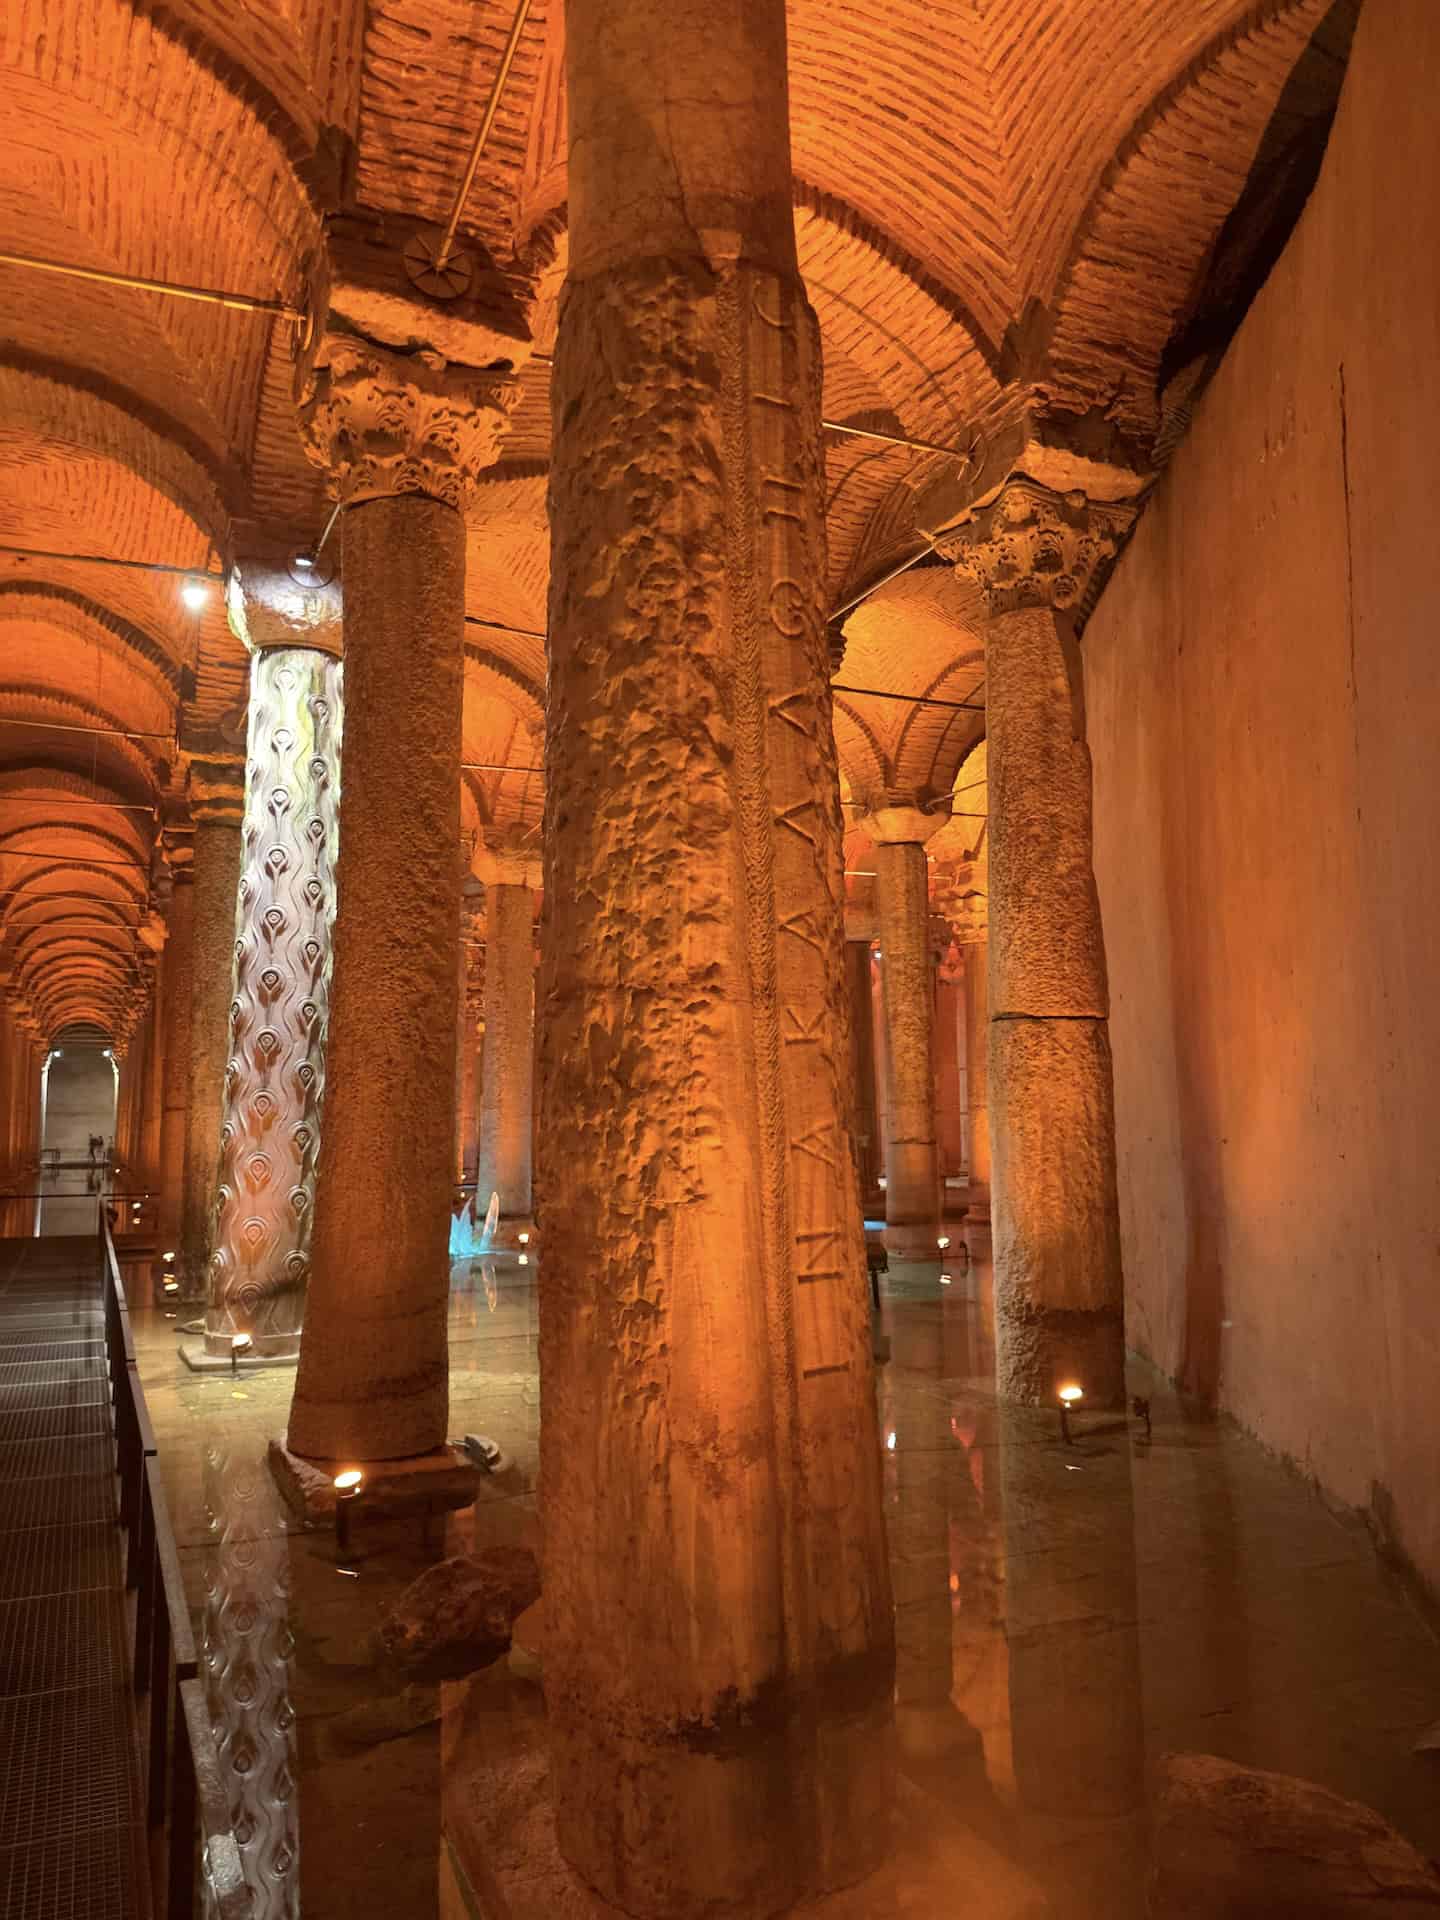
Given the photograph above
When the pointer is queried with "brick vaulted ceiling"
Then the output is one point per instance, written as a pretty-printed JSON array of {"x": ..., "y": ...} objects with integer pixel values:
[{"x": 1008, "y": 212}]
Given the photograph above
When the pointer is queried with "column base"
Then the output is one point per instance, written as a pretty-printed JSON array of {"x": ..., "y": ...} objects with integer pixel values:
[
  {"x": 193, "y": 1352},
  {"x": 913, "y": 1239},
  {"x": 1038, "y": 1350},
  {"x": 502, "y": 1844},
  {"x": 437, "y": 1482}
]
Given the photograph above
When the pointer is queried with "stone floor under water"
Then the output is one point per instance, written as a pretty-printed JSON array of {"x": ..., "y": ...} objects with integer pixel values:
[{"x": 1064, "y": 1615}]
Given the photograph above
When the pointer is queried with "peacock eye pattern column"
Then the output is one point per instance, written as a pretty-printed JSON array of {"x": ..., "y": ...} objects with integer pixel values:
[{"x": 275, "y": 1075}]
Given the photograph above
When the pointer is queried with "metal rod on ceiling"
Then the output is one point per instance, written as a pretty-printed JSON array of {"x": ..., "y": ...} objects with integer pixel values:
[
  {"x": 44, "y": 800},
  {"x": 849, "y": 606},
  {"x": 497, "y": 626},
  {"x": 173, "y": 289},
  {"x": 67, "y": 859},
  {"x": 68, "y": 726},
  {"x": 205, "y": 572},
  {"x": 912, "y": 699},
  {"x": 487, "y": 121}
]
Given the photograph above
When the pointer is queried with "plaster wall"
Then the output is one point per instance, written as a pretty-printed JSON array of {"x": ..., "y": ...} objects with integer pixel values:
[{"x": 1264, "y": 708}]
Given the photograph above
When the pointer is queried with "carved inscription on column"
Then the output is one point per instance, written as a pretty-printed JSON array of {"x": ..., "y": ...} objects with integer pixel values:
[
  {"x": 785, "y": 765},
  {"x": 709, "y": 1458},
  {"x": 270, "y": 1135}
]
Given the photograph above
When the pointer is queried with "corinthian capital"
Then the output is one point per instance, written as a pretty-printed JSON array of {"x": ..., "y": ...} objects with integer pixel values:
[
  {"x": 1030, "y": 547},
  {"x": 384, "y": 423}
]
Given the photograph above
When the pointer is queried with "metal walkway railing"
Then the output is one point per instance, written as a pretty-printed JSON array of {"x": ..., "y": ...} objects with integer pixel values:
[{"x": 111, "y": 1802}]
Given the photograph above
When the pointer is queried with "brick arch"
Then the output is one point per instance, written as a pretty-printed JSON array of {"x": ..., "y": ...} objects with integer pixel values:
[
  {"x": 1142, "y": 240},
  {"x": 49, "y": 604}
]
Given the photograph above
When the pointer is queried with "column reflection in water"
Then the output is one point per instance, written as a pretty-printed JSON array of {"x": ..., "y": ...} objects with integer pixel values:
[
  {"x": 246, "y": 1653},
  {"x": 929, "y": 1506},
  {"x": 1071, "y": 1609}
]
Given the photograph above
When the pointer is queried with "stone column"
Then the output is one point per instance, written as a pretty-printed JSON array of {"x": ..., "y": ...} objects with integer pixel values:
[
  {"x": 275, "y": 1076},
  {"x": 949, "y": 1022},
  {"x": 502, "y": 1162},
  {"x": 470, "y": 991},
  {"x": 907, "y": 979},
  {"x": 977, "y": 1079},
  {"x": 1059, "y": 1293},
  {"x": 151, "y": 1089},
  {"x": 718, "y": 1653},
  {"x": 858, "y": 969},
  {"x": 217, "y": 803},
  {"x": 404, "y": 440},
  {"x": 175, "y": 994}
]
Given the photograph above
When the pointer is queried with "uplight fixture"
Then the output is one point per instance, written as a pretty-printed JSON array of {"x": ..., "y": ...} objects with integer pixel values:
[
  {"x": 943, "y": 1242},
  {"x": 1069, "y": 1397},
  {"x": 239, "y": 1344},
  {"x": 347, "y": 1489},
  {"x": 524, "y": 1239},
  {"x": 195, "y": 594}
]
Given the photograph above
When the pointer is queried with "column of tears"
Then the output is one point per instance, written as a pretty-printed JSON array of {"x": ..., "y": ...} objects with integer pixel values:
[
  {"x": 1059, "y": 1295},
  {"x": 718, "y": 1641},
  {"x": 274, "y": 1079},
  {"x": 404, "y": 437}
]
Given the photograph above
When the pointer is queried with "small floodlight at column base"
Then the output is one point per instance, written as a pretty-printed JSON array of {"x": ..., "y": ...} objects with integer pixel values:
[
  {"x": 349, "y": 1483},
  {"x": 305, "y": 562},
  {"x": 1068, "y": 1397},
  {"x": 524, "y": 1239},
  {"x": 195, "y": 594},
  {"x": 239, "y": 1344},
  {"x": 943, "y": 1242}
]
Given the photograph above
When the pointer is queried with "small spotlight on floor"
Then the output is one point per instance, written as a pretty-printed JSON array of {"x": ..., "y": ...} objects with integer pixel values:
[
  {"x": 347, "y": 1489},
  {"x": 1069, "y": 1397},
  {"x": 239, "y": 1346},
  {"x": 305, "y": 562},
  {"x": 195, "y": 594}
]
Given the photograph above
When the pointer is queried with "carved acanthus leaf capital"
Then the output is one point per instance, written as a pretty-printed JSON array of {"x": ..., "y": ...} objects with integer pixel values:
[
  {"x": 1030, "y": 547},
  {"x": 385, "y": 423}
]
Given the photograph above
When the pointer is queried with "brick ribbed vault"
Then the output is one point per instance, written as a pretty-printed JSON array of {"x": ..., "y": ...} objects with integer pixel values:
[{"x": 1006, "y": 213}]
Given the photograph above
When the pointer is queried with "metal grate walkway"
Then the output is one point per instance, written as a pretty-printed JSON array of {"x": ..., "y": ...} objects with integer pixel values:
[{"x": 72, "y": 1833}]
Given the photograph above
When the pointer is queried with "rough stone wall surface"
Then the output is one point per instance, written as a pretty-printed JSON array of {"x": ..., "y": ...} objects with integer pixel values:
[
  {"x": 507, "y": 1070},
  {"x": 373, "y": 1376},
  {"x": 212, "y": 974},
  {"x": 1263, "y": 712},
  {"x": 275, "y": 1076},
  {"x": 714, "y": 1565}
]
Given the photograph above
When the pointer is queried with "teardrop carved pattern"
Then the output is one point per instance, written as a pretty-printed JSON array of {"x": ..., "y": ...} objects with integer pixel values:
[
  {"x": 275, "y": 1078},
  {"x": 246, "y": 1650}
]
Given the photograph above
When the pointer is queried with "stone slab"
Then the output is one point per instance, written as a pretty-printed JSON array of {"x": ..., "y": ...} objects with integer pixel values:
[
  {"x": 436, "y": 1482},
  {"x": 1236, "y": 1843}
]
